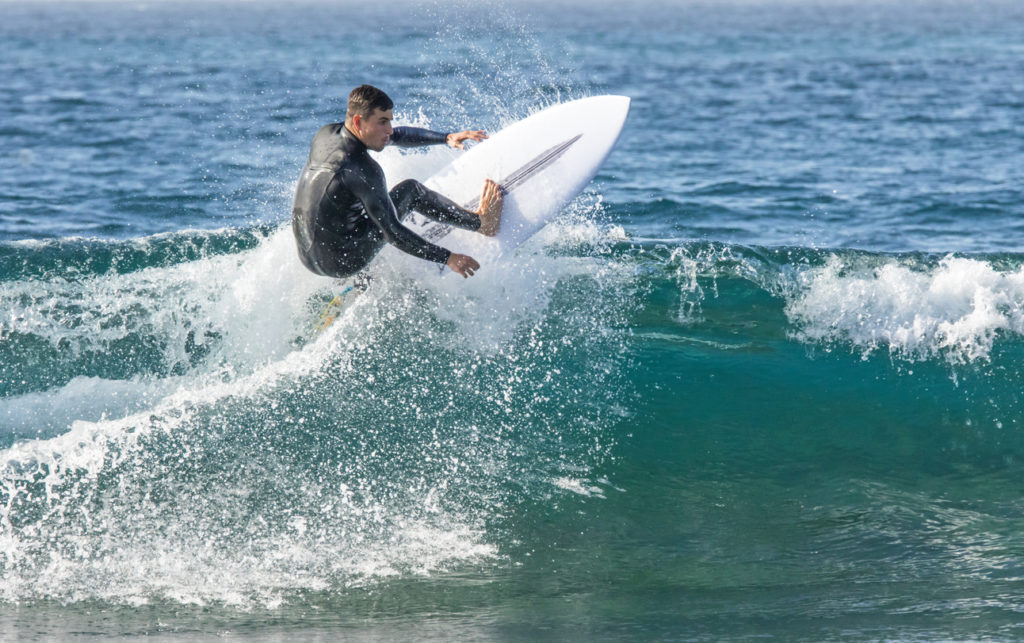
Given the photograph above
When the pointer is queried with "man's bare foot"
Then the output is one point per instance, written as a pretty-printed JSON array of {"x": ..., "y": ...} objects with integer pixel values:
[{"x": 490, "y": 208}]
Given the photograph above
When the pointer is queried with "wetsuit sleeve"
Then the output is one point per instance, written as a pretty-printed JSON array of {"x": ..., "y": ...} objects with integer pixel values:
[
  {"x": 416, "y": 136},
  {"x": 382, "y": 212}
]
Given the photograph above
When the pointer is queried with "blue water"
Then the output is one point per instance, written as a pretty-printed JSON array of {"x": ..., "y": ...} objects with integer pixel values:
[{"x": 761, "y": 380}]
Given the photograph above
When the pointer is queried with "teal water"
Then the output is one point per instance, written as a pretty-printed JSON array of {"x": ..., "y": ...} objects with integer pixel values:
[{"x": 761, "y": 380}]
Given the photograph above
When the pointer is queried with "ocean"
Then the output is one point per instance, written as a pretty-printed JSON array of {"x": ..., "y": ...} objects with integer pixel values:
[{"x": 761, "y": 380}]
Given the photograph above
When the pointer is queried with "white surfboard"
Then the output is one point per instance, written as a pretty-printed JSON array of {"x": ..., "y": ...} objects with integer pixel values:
[{"x": 541, "y": 162}]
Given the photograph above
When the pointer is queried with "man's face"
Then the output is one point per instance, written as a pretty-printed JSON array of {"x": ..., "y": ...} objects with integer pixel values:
[{"x": 375, "y": 130}]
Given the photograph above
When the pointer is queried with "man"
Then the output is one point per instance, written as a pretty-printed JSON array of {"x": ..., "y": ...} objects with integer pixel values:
[{"x": 344, "y": 214}]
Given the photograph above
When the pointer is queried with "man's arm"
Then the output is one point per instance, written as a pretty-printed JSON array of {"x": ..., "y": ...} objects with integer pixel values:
[
  {"x": 382, "y": 212},
  {"x": 417, "y": 136}
]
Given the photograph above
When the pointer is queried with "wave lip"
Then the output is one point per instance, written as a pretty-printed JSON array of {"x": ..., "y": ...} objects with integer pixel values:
[{"x": 954, "y": 310}]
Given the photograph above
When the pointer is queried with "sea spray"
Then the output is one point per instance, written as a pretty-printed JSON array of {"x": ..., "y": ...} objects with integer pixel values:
[{"x": 391, "y": 444}]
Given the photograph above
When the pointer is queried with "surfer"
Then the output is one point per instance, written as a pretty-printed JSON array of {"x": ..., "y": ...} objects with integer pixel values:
[{"x": 344, "y": 214}]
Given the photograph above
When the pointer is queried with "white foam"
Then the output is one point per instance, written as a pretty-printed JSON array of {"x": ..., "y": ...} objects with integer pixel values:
[{"x": 954, "y": 310}]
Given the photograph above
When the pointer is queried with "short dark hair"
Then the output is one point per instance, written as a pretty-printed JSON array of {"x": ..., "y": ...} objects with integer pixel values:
[{"x": 366, "y": 98}]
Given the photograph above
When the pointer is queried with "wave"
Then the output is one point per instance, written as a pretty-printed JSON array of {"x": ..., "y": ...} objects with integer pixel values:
[{"x": 172, "y": 430}]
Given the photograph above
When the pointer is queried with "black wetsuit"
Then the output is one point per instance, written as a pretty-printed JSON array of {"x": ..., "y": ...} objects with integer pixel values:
[{"x": 344, "y": 214}]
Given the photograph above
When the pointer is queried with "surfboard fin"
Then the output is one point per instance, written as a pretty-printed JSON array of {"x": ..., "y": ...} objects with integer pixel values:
[
  {"x": 333, "y": 309},
  {"x": 331, "y": 312}
]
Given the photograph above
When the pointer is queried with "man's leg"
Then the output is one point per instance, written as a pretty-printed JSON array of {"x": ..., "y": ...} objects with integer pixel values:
[{"x": 412, "y": 195}]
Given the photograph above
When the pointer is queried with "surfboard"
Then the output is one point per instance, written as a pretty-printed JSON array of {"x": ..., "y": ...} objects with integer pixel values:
[{"x": 542, "y": 163}]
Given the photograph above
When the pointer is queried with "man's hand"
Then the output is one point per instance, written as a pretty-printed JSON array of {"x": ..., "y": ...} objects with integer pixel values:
[
  {"x": 458, "y": 139},
  {"x": 463, "y": 264}
]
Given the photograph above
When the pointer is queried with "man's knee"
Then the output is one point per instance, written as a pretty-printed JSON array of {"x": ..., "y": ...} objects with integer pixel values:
[
  {"x": 406, "y": 187},
  {"x": 405, "y": 195}
]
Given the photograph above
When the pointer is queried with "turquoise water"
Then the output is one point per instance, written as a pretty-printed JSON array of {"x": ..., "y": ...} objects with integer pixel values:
[{"x": 761, "y": 380}]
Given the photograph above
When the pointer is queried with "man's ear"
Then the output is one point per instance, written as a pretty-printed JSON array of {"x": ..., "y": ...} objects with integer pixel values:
[{"x": 357, "y": 122}]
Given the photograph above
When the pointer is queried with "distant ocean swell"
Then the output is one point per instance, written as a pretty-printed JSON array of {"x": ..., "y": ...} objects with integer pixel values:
[{"x": 172, "y": 430}]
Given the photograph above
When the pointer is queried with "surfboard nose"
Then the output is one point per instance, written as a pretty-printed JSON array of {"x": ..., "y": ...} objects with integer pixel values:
[
  {"x": 613, "y": 107},
  {"x": 622, "y": 103}
]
